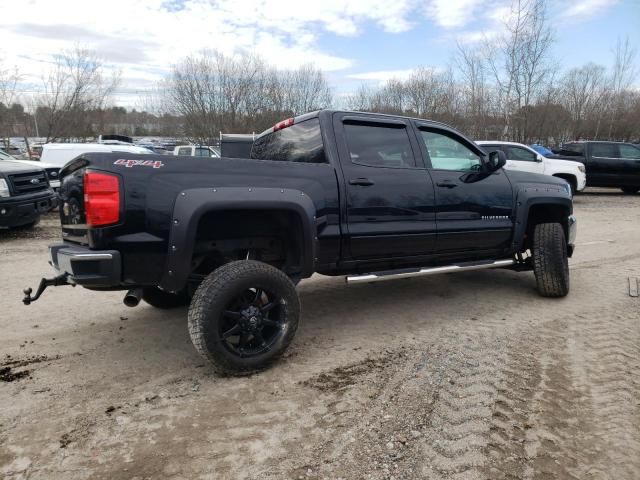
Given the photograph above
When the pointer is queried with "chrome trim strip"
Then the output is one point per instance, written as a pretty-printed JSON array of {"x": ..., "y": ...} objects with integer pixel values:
[
  {"x": 380, "y": 276},
  {"x": 89, "y": 256}
]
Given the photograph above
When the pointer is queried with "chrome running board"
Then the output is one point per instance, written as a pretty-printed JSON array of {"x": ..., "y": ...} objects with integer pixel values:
[{"x": 410, "y": 273}]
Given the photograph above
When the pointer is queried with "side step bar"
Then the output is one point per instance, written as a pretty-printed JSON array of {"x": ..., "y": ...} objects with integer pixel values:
[{"x": 410, "y": 273}]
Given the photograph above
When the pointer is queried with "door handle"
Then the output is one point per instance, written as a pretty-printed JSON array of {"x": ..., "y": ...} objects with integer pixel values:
[
  {"x": 446, "y": 184},
  {"x": 364, "y": 182}
]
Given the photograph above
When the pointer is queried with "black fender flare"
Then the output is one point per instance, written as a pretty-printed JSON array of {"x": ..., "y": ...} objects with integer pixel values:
[
  {"x": 528, "y": 197},
  {"x": 190, "y": 205}
]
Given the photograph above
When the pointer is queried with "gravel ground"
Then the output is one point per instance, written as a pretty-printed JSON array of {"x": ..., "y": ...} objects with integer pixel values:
[{"x": 465, "y": 376}]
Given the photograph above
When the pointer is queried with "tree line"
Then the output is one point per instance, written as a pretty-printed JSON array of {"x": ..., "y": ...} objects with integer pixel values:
[
  {"x": 511, "y": 88},
  {"x": 507, "y": 87}
]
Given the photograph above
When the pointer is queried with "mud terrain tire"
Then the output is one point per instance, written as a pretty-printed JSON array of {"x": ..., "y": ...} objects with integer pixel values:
[
  {"x": 550, "y": 263},
  {"x": 243, "y": 316}
]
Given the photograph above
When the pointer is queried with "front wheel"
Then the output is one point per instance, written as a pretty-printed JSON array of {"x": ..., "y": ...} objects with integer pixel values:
[
  {"x": 243, "y": 316},
  {"x": 630, "y": 190},
  {"x": 550, "y": 262}
]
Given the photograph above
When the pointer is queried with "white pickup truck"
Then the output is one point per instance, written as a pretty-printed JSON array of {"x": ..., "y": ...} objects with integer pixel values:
[{"x": 526, "y": 159}]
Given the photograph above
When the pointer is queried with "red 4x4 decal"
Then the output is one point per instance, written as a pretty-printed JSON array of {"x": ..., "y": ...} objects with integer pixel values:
[{"x": 139, "y": 163}]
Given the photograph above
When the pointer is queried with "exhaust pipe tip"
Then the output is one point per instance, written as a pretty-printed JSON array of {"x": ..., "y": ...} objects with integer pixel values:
[{"x": 133, "y": 297}]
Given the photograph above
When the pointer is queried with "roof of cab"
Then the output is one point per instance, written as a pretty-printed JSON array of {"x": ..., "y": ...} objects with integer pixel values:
[{"x": 317, "y": 113}]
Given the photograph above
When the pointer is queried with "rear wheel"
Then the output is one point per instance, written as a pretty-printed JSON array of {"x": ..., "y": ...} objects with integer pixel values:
[
  {"x": 243, "y": 316},
  {"x": 164, "y": 300},
  {"x": 630, "y": 190},
  {"x": 550, "y": 262}
]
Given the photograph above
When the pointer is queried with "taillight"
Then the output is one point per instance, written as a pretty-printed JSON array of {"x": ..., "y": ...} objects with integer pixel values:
[
  {"x": 101, "y": 198},
  {"x": 283, "y": 124}
]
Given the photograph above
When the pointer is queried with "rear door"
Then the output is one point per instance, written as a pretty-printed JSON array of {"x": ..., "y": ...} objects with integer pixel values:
[
  {"x": 389, "y": 194},
  {"x": 473, "y": 207}
]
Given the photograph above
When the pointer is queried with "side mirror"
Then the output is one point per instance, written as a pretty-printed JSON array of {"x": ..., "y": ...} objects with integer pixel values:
[
  {"x": 497, "y": 159},
  {"x": 539, "y": 158}
]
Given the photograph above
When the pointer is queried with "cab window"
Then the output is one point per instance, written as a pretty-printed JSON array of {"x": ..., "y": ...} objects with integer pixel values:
[
  {"x": 300, "y": 142},
  {"x": 605, "y": 150},
  {"x": 521, "y": 154},
  {"x": 447, "y": 153},
  {"x": 203, "y": 152},
  {"x": 629, "y": 151},
  {"x": 379, "y": 145}
]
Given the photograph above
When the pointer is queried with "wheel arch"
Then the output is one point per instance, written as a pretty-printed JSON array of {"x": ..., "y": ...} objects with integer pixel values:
[
  {"x": 540, "y": 205},
  {"x": 192, "y": 206},
  {"x": 569, "y": 177}
]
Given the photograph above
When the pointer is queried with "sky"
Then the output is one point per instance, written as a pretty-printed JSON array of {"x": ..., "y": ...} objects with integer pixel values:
[{"x": 353, "y": 42}]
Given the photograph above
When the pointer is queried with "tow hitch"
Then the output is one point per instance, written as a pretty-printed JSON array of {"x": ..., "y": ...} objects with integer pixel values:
[{"x": 44, "y": 283}]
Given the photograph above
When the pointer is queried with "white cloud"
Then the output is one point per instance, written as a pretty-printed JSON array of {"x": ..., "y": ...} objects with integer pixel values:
[
  {"x": 145, "y": 37},
  {"x": 382, "y": 75},
  {"x": 452, "y": 13},
  {"x": 587, "y": 8},
  {"x": 478, "y": 36}
]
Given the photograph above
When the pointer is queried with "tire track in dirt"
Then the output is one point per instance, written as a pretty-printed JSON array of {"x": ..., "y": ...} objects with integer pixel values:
[{"x": 491, "y": 398}]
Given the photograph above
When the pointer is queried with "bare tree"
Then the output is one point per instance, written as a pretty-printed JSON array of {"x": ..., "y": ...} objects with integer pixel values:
[
  {"x": 213, "y": 92},
  {"x": 474, "y": 89},
  {"x": 583, "y": 94},
  {"x": 622, "y": 76},
  {"x": 76, "y": 84},
  {"x": 519, "y": 60},
  {"x": 9, "y": 78}
]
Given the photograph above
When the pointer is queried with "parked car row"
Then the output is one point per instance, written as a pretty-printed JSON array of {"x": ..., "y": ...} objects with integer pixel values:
[
  {"x": 600, "y": 163},
  {"x": 25, "y": 193},
  {"x": 526, "y": 159},
  {"x": 608, "y": 164}
]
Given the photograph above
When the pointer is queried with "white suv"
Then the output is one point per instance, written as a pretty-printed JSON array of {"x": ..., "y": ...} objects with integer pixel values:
[{"x": 526, "y": 159}]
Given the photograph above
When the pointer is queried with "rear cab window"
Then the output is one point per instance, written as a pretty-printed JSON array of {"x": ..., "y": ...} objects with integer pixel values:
[{"x": 301, "y": 143}]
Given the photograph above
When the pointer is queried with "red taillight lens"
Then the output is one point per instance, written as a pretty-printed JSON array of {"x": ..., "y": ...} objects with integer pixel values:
[
  {"x": 101, "y": 198},
  {"x": 283, "y": 124}
]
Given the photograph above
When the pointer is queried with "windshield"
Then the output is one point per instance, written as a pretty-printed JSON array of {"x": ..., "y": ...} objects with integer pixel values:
[
  {"x": 5, "y": 156},
  {"x": 542, "y": 150}
]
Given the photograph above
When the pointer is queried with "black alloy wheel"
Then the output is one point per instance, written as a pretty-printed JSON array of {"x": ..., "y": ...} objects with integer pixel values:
[
  {"x": 243, "y": 316},
  {"x": 252, "y": 323}
]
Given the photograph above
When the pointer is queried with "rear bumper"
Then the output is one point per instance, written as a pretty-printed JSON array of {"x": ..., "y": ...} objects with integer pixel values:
[
  {"x": 572, "y": 223},
  {"x": 15, "y": 212},
  {"x": 85, "y": 267}
]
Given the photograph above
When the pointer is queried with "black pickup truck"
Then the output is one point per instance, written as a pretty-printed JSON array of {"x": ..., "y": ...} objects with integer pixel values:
[
  {"x": 608, "y": 164},
  {"x": 369, "y": 196},
  {"x": 25, "y": 194}
]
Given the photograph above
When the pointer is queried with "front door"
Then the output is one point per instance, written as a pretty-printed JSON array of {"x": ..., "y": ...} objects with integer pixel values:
[
  {"x": 473, "y": 207},
  {"x": 389, "y": 194}
]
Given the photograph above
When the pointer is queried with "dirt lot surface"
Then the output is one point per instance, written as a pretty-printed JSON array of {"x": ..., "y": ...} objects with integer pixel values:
[{"x": 462, "y": 376}]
